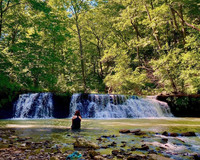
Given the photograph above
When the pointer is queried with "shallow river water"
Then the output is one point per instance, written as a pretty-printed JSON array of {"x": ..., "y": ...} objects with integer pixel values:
[{"x": 58, "y": 131}]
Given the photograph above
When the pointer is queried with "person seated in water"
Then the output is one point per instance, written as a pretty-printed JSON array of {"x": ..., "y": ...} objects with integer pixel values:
[{"x": 76, "y": 120}]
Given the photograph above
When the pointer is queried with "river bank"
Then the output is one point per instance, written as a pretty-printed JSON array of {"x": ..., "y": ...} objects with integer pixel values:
[{"x": 53, "y": 139}]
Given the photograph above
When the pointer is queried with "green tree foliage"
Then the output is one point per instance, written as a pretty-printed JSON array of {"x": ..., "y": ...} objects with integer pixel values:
[{"x": 128, "y": 47}]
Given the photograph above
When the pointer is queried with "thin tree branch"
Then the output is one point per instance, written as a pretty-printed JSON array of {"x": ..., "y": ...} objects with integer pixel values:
[{"x": 188, "y": 24}]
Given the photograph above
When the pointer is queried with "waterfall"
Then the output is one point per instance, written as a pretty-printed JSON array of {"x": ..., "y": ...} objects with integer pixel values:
[
  {"x": 42, "y": 105},
  {"x": 34, "y": 105},
  {"x": 117, "y": 106}
]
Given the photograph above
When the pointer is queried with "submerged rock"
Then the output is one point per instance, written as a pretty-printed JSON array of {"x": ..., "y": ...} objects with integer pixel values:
[
  {"x": 93, "y": 153},
  {"x": 115, "y": 152},
  {"x": 99, "y": 158},
  {"x": 164, "y": 140},
  {"x": 113, "y": 144},
  {"x": 187, "y": 134},
  {"x": 137, "y": 157},
  {"x": 156, "y": 157},
  {"x": 144, "y": 147},
  {"x": 83, "y": 143}
]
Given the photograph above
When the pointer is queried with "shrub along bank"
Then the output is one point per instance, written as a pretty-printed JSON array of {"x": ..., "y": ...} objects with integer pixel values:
[{"x": 183, "y": 105}]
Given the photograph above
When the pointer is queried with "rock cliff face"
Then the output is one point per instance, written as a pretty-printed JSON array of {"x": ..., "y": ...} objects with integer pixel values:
[{"x": 182, "y": 105}]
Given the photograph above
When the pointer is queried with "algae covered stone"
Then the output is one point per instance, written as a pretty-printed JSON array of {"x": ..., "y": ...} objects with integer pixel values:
[{"x": 83, "y": 143}]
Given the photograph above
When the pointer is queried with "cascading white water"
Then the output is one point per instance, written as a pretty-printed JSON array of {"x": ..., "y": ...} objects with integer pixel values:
[
  {"x": 34, "y": 105},
  {"x": 117, "y": 106}
]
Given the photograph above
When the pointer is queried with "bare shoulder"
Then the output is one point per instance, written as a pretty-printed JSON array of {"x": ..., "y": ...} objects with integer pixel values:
[
  {"x": 74, "y": 117},
  {"x": 79, "y": 117}
]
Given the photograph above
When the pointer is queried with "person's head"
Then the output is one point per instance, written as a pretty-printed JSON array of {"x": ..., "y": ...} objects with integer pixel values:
[{"x": 77, "y": 113}]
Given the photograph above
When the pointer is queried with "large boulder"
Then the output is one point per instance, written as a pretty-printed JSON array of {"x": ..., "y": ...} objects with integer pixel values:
[{"x": 83, "y": 143}]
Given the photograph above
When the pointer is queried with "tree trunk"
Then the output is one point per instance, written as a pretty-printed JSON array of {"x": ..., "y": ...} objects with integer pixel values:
[
  {"x": 174, "y": 18},
  {"x": 172, "y": 82},
  {"x": 81, "y": 54},
  {"x": 99, "y": 51},
  {"x": 182, "y": 23},
  {"x": 154, "y": 30},
  {"x": 1, "y": 16},
  {"x": 138, "y": 38},
  {"x": 14, "y": 34}
]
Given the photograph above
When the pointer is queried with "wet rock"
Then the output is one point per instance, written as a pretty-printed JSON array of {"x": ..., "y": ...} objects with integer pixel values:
[
  {"x": 164, "y": 140},
  {"x": 10, "y": 145},
  {"x": 27, "y": 150},
  {"x": 92, "y": 153},
  {"x": 115, "y": 152},
  {"x": 127, "y": 153},
  {"x": 99, "y": 139},
  {"x": 173, "y": 134},
  {"x": 165, "y": 133},
  {"x": 144, "y": 147},
  {"x": 113, "y": 144},
  {"x": 105, "y": 136},
  {"x": 123, "y": 142},
  {"x": 99, "y": 158},
  {"x": 124, "y": 131},
  {"x": 113, "y": 136},
  {"x": 170, "y": 134},
  {"x": 23, "y": 145},
  {"x": 123, "y": 145},
  {"x": 128, "y": 150},
  {"x": 140, "y": 133},
  {"x": 152, "y": 152},
  {"x": 13, "y": 137},
  {"x": 120, "y": 156},
  {"x": 104, "y": 155},
  {"x": 188, "y": 134},
  {"x": 21, "y": 139},
  {"x": 137, "y": 157},
  {"x": 104, "y": 147},
  {"x": 135, "y": 131},
  {"x": 122, "y": 151},
  {"x": 156, "y": 157},
  {"x": 109, "y": 156},
  {"x": 133, "y": 148},
  {"x": 28, "y": 143},
  {"x": 83, "y": 143}
]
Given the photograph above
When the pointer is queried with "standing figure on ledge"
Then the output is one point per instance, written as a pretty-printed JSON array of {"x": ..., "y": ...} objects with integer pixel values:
[{"x": 76, "y": 120}]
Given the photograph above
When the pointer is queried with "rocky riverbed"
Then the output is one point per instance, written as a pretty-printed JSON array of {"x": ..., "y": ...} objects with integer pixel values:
[{"x": 128, "y": 144}]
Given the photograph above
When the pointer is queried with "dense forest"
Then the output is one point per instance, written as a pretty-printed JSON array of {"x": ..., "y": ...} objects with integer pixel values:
[{"x": 100, "y": 46}]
